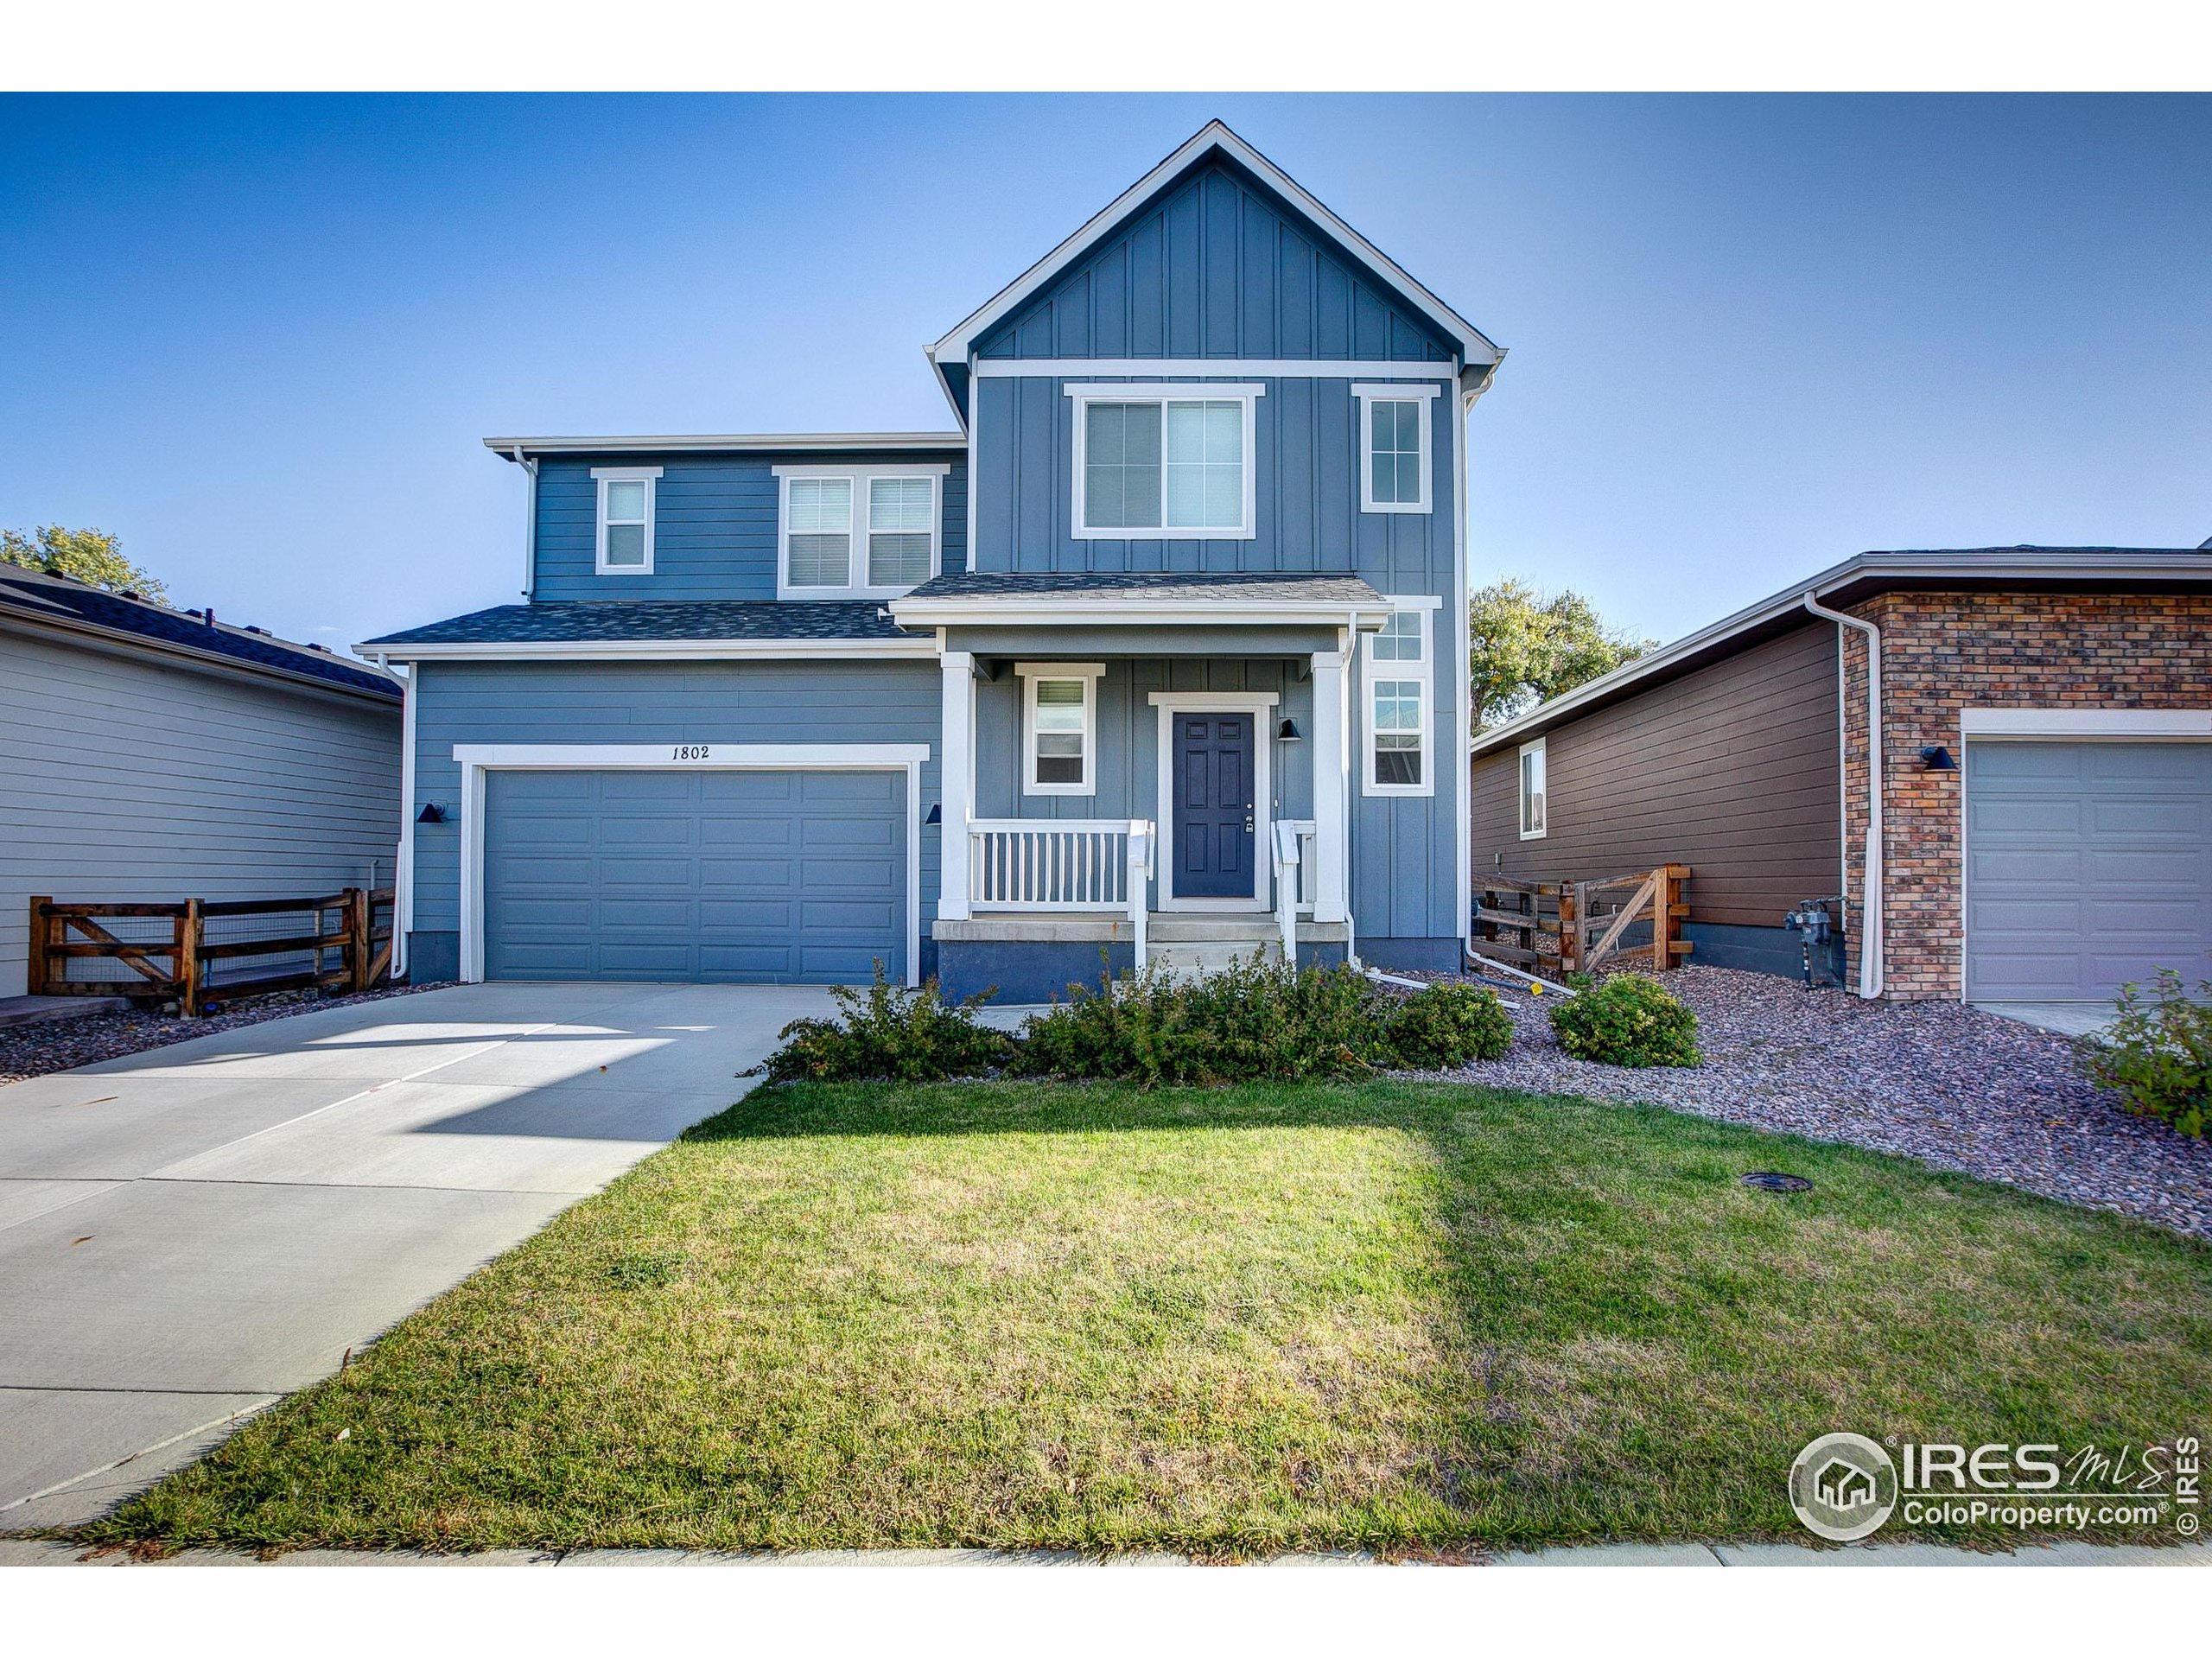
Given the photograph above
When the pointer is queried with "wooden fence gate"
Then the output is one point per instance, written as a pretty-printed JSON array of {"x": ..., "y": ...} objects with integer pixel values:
[
  {"x": 1584, "y": 922},
  {"x": 345, "y": 946}
]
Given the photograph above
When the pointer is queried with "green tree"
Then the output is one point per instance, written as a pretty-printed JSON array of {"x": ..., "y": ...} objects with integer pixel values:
[
  {"x": 1527, "y": 649},
  {"x": 91, "y": 556}
]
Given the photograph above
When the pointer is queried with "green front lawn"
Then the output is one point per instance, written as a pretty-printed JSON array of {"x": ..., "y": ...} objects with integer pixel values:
[{"x": 1402, "y": 1316}]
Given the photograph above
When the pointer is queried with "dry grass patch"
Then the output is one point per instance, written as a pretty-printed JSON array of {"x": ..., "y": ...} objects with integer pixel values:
[{"x": 1403, "y": 1317}]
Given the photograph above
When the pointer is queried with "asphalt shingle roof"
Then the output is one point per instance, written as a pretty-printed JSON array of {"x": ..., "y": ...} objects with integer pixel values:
[
  {"x": 579, "y": 621},
  {"x": 60, "y": 599},
  {"x": 1154, "y": 587}
]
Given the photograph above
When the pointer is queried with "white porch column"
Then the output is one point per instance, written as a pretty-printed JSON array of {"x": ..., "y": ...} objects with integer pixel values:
[
  {"x": 957, "y": 784},
  {"x": 1332, "y": 779}
]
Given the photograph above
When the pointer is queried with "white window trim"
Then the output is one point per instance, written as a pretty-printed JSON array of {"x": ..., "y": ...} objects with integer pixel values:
[
  {"x": 1366, "y": 396},
  {"x": 1520, "y": 789},
  {"x": 602, "y": 476},
  {"x": 476, "y": 759},
  {"x": 1261, "y": 706},
  {"x": 1424, "y": 671},
  {"x": 860, "y": 475},
  {"x": 1030, "y": 673},
  {"x": 1088, "y": 392}
]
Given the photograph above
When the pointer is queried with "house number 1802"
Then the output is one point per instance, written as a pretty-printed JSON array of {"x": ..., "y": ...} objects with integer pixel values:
[{"x": 688, "y": 752}]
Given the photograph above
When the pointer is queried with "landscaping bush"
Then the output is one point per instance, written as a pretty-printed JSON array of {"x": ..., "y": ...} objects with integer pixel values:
[
  {"x": 1253, "y": 1020},
  {"x": 1628, "y": 1020},
  {"x": 1449, "y": 1024},
  {"x": 2158, "y": 1053},
  {"x": 891, "y": 1033}
]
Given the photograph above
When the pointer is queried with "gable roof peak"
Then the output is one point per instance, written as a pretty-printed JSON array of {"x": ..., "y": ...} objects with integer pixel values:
[{"x": 1475, "y": 349}]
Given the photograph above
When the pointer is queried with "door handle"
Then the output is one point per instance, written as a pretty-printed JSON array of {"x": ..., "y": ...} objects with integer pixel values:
[{"x": 1248, "y": 825}]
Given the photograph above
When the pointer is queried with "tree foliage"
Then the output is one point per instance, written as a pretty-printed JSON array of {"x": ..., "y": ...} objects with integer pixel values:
[
  {"x": 91, "y": 556},
  {"x": 1526, "y": 648}
]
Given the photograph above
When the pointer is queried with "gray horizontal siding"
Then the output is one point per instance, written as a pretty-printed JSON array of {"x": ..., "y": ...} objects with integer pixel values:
[
  {"x": 126, "y": 780},
  {"x": 714, "y": 523},
  {"x": 1307, "y": 491},
  {"x": 1217, "y": 266},
  {"x": 822, "y": 703},
  {"x": 1730, "y": 770}
]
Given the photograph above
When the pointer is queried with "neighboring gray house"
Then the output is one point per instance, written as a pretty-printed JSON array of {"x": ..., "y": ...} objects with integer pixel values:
[
  {"x": 152, "y": 754},
  {"x": 1162, "y": 650}
]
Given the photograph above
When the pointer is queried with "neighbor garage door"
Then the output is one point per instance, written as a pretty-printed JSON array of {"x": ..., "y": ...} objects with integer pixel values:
[
  {"x": 742, "y": 876},
  {"x": 2087, "y": 865}
]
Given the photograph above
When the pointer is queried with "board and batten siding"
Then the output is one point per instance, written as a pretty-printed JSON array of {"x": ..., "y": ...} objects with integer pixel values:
[
  {"x": 124, "y": 780},
  {"x": 714, "y": 523},
  {"x": 710, "y": 702},
  {"x": 1731, "y": 769}
]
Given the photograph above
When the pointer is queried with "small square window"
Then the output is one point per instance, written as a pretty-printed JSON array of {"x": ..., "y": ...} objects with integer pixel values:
[{"x": 1394, "y": 450}]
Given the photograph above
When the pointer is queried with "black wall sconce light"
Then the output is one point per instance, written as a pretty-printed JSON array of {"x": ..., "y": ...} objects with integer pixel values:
[
  {"x": 937, "y": 813},
  {"x": 1289, "y": 732},
  {"x": 1936, "y": 758},
  {"x": 431, "y": 813}
]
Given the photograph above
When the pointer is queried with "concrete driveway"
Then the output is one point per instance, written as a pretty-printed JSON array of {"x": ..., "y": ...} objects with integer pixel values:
[{"x": 187, "y": 1235}]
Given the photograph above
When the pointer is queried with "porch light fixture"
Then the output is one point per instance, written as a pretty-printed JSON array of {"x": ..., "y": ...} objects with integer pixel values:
[
  {"x": 1289, "y": 732},
  {"x": 431, "y": 813},
  {"x": 937, "y": 813},
  {"x": 1936, "y": 758}
]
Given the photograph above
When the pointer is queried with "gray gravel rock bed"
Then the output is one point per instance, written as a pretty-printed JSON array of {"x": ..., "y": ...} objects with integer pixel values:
[
  {"x": 33, "y": 1051},
  {"x": 1948, "y": 1085}
]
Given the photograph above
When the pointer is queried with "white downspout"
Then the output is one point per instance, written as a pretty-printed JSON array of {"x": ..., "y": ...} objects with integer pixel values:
[
  {"x": 402, "y": 874},
  {"x": 529, "y": 526},
  {"x": 1870, "y": 902}
]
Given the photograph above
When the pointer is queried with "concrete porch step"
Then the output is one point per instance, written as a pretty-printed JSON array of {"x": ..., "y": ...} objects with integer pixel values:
[
  {"x": 1179, "y": 927},
  {"x": 1195, "y": 961}
]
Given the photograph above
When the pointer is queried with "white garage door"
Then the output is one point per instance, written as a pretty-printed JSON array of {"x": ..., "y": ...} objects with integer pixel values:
[{"x": 2087, "y": 865}]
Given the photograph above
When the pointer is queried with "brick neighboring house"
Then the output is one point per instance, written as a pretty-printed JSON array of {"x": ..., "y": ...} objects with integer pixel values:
[{"x": 2046, "y": 732}]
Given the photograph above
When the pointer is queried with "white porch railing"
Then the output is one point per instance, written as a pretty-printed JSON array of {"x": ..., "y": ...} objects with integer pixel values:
[
  {"x": 1062, "y": 864},
  {"x": 1308, "y": 864}
]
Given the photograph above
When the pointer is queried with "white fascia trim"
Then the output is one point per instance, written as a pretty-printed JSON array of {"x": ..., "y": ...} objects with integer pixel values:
[
  {"x": 2029, "y": 566},
  {"x": 515, "y": 448},
  {"x": 1246, "y": 394},
  {"x": 2086, "y": 722},
  {"x": 476, "y": 759},
  {"x": 677, "y": 650},
  {"x": 1362, "y": 396},
  {"x": 1073, "y": 613},
  {"x": 1474, "y": 345},
  {"x": 1259, "y": 705},
  {"x": 1186, "y": 368}
]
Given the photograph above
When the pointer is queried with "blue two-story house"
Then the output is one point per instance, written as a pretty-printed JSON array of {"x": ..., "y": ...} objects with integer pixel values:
[{"x": 1161, "y": 655}]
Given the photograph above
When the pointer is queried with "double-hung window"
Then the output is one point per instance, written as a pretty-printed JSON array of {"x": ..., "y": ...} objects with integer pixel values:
[
  {"x": 1394, "y": 457},
  {"x": 1164, "y": 462},
  {"x": 625, "y": 546},
  {"x": 1060, "y": 720},
  {"x": 857, "y": 533},
  {"x": 1532, "y": 789},
  {"x": 1398, "y": 715}
]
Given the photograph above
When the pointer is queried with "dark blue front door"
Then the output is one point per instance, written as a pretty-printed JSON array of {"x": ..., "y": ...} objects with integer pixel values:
[{"x": 1213, "y": 806}]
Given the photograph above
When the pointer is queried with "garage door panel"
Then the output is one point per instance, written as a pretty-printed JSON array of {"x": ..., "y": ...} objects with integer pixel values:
[
  {"x": 2089, "y": 865},
  {"x": 722, "y": 875}
]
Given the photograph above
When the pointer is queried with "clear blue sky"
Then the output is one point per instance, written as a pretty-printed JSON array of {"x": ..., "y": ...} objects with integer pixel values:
[{"x": 260, "y": 338}]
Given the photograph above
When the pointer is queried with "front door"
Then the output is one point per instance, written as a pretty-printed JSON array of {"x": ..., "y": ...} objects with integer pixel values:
[{"x": 1212, "y": 807}]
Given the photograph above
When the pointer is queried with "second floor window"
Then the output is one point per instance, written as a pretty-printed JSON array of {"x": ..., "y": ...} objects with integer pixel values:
[
  {"x": 626, "y": 520},
  {"x": 1163, "y": 467},
  {"x": 861, "y": 532},
  {"x": 1394, "y": 449}
]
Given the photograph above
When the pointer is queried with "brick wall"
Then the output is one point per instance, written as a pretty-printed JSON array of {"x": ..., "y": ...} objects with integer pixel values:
[{"x": 1943, "y": 653}]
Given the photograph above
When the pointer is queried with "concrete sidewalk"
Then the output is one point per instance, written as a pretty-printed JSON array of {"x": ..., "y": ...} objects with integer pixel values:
[{"x": 188, "y": 1234}]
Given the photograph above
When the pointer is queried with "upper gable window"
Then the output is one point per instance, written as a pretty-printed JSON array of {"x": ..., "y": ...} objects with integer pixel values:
[
  {"x": 1394, "y": 448},
  {"x": 857, "y": 531},
  {"x": 1164, "y": 462},
  {"x": 625, "y": 546}
]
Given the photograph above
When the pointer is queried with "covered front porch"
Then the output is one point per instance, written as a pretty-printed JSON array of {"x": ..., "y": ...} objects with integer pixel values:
[{"x": 1153, "y": 772}]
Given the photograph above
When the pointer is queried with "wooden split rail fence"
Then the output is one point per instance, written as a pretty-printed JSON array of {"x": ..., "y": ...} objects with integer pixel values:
[
  {"x": 344, "y": 943},
  {"x": 1585, "y": 923}
]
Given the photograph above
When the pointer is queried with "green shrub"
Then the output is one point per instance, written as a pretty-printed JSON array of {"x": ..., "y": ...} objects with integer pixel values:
[
  {"x": 2158, "y": 1053},
  {"x": 1628, "y": 1020},
  {"x": 891, "y": 1033},
  {"x": 1449, "y": 1024},
  {"x": 1253, "y": 1020}
]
